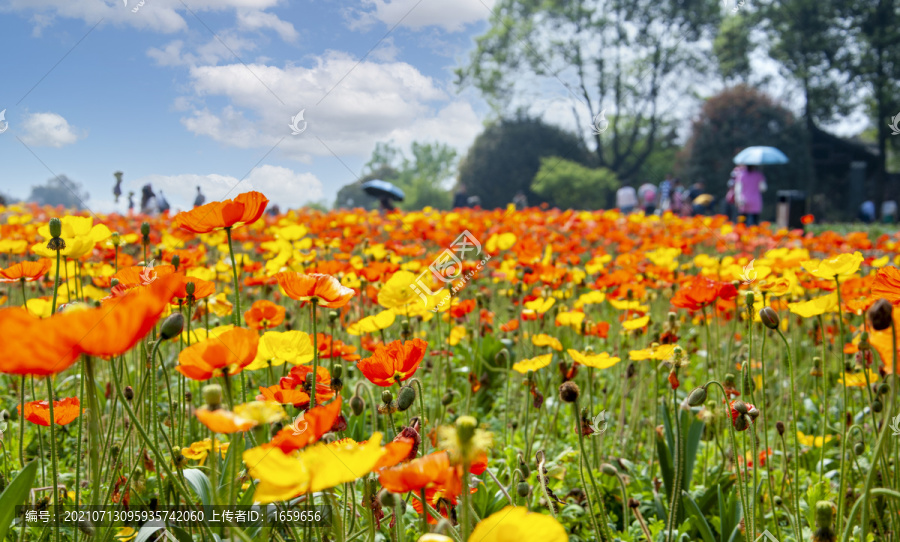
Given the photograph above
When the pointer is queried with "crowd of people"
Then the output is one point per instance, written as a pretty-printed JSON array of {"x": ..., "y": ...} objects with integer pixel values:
[
  {"x": 743, "y": 198},
  {"x": 151, "y": 202}
]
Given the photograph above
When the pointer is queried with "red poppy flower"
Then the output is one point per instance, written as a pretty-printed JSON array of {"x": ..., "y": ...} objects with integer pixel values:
[
  {"x": 246, "y": 208},
  {"x": 264, "y": 315},
  {"x": 701, "y": 291},
  {"x": 327, "y": 289},
  {"x": 316, "y": 421},
  {"x": 395, "y": 362},
  {"x": 64, "y": 411},
  {"x": 329, "y": 346},
  {"x": 27, "y": 271},
  {"x": 462, "y": 308},
  {"x": 109, "y": 330},
  {"x": 228, "y": 353}
]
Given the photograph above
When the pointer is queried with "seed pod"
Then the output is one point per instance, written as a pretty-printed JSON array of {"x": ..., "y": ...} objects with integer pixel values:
[
  {"x": 769, "y": 317},
  {"x": 129, "y": 393},
  {"x": 406, "y": 398},
  {"x": 212, "y": 394},
  {"x": 750, "y": 298},
  {"x": 523, "y": 489},
  {"x": 55, "y": 227},
  {"x": 333, "y": 316},
  {"x": 881, "y": 314},
  {"x": 883, "y": 388},
  {"x": 176, "y": 259},
  {"x": 190, "y": 288},
  {"x": 568, "y": 392},
  {"x": 145, "y": 231},
  {"x": 779, "y": 426},
  {"x": 859, "y": 448},
  {"x": 357, "y": 405},
  {"x": 877, "y": 405},
  {"x": 387, "y": 499},
  {"x": 387, "y": 396},
  {"x": 172, "y": 326}
]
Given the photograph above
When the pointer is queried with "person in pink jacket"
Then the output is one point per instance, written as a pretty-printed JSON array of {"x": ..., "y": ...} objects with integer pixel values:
[{"x": 748, "y": 192}]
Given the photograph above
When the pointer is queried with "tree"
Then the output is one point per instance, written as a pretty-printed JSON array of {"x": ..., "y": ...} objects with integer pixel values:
[
  {"x": 737, "y": 118},
  {"x": 60, "y": 190},
  {"x": 732, "y": 48},
  {"x": 505, "y": 158},
  {"x": 570, "y": 185},
  {"x": 627, "y": 58}
]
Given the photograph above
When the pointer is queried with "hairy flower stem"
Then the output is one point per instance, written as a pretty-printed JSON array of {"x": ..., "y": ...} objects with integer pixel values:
[
  {"x": 840, "y": 359},
  {"x": 740, "y": 483},
  {"x": 877, "y": 451},
  {"x": 313, "y": 303},
  {"x": 237, "y": 292},
  {"x": 55, "y": 284},
  {"x": 605, "y": 535},
  {"x": 796, "y": 459},
  {"x": 53, "y": 466},
  {"x": 679, "y": 467},
  {"x": 22, "y": 421}
]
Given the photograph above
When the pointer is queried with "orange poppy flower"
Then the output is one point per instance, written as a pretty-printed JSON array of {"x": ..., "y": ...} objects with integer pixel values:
[
  {"x": 109, "y": 330},
  {"x": 512, "y": 325},
  {"x": 329, "y": 345},
  {"x": 318, "y": 421},
  {"x": 394, "y": 362},
  {"x": 395, "y": 452},
  {"x": 264, "y": 314},
  {"x": 462, "y": 308},
  {"x": 887, "y": 285},
  {"x": 223, "y": 421},
  {"x": 284, "y": 396},
  {"x": 424, "y": 472},
  {"x": 27, "y": 271},
  {"x": 64, "y": 411},
  {"x": 327, "y": 289},
  {"x": 297, "y": 379},
  {"x": 701, "y": 291},
  {"x": 246, "y": 208},
  {"x": 228, "y": 353}
]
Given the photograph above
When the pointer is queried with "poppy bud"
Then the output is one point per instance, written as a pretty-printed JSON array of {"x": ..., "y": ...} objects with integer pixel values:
[
  {"x": 859, "y": 448},
  {"x": 190, "y": 288},
  {"x": 406, "y": 397},
  {"x": 779, "y": 425},
  {"x": 740, "y": 407},
  {"x": 877, "y": 406},
  {"x": 634, "y": 503},
  {"x": 447, "y": 398},
  {"x": 750, "y": 298},
  {"x": 113, "y": 283},
  {"x": 115, "y": 238},
  {"x": 129, "y": 393},
  {"x": 176, "y": 259},
  {"x": 608, "y": 469},
  {"x": 212, "y": 394},
  {"x": 777, "y": 500},
  {"x": 881, "y": 314},
  {"x": 729, "y": 380},
  {"x": 524, "y": 468},
  {"x": 172, "y": 326},
  {"x": 697, "y": 396},
  {"x": 568, "y": 392},
  {"x": 387, "y": 396},
  {"x": 753, "y": 412},
  {"x": 357, "y": 405},
  {"x": 769, "y": 317},
  {"x": 333, "y": 316},
  {"x": 55, "y": 227},
  {"x": 883, "y": 389},
  {"x": 523, "y": 489},
  {"x": 145, "y": 231}
]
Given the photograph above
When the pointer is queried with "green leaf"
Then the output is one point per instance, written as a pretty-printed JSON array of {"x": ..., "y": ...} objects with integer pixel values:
[
  {"x": 200, "y": 484},
  {"x": 15, "y": 494},
  {"x": 230, "y": 469},
  {"x": 697, "y": 516}
]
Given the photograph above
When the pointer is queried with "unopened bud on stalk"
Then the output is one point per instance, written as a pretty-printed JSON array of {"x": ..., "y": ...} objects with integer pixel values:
[
  {"x": 750, "y": 298},
  {"x": 881, "y": 314},
  {"x": 777, "y": 500},
  {"x": 86, "y": 527},
  {"x": 113, "y": 283},
  {"x": 129, "y": 393},
  {"x": 859, "y": 448},
  {"x": 55, "y": 227},
  {"x": 877, "y": 406},
  {"x": 608, "y": 469},
  {"x": 883, "y": 388},
  {"x": 176, "y": 259},
  {"x": 447, "y": 398},
  {"x": 769, "y": 317},
  {"x": 212, "y": 394},
  {"x": 697, "y": 396},
  {"x": 387, "y": 499},
  {"x": 523, "y": 489},
  {"x": 387, "y": 396},
  {"x": 406, "y": 397},
  {"x": 357, "y": 405},
  {"x": 333, "y": 316},
  {"x": 671, "y": 317},
  {"x": 172, "y": 326},
  {"x": 145, "y": 231},
  {"x": 190, "y": 288},
  {"x": 568, "y": 392},
  {"x": 779, "y": 426}
]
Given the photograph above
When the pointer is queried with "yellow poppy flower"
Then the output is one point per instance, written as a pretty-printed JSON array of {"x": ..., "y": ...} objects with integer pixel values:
[
  {"x": 841, "y": 266},
  {"x": 500, "y": 241},
  {"x": 260, "y": 411},
  {"x": 816, "y": 306},
  {"x": 294, "y": 232},
  {"x": 572, "y": 319},
  {"x": 532, "y": 364},
  {"x": 591, "y": 298},
  {"x": 200, "y": 449},
  {"x": 540, "y": 305},
  {"x": 13, "y": 246},
  {"x": 598, "y": 361},
  {"x": 660, "y": 353},
  {"x": 542, "y": 339},
  {"x": 457, "y": 334},
  {"x": 636, "y": 323},
  {"x": 219, "y": 305},
  {"x": 811, "y": 441},
  {"x": 372, "y": 324},
  {"x": 517, "y": 523},
  {"x": 858, "y": 380},
  {"x": 279, "y": 347},
  {"x": 624, "y": 305},
  {"x": 202, "y": 334}
]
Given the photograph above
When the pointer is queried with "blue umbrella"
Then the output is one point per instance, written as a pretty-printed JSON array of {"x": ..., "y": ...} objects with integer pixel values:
[
  {"x": 382, "y": 189},
  {"x": 757, "y": 156}
]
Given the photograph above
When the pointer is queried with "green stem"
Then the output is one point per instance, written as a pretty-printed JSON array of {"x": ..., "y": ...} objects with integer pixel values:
[
  {"x": 313, "y": 303},
  {"x": 56, "y": 283},
  {"x": 22, "y": 421},
  {"x": 840, "y": 357},
  {"x": 877, "y": 491},
  {"x": 237, "y": 292},
  {"x": 53, "y": 465},
  {"x": 603, "y": 521},
  {"x": 796, "y": 460}
]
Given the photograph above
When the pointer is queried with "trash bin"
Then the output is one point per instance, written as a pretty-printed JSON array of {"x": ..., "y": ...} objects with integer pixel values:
[{"x": 790, "y": 208}]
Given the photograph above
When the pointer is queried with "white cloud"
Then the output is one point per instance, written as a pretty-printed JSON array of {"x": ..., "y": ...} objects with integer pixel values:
[
  {"x": 259, "y": 20},
  {"x": 283, "y": 186},
  {"x": 49, "y": 130},
  {"x": 349, "y": 105},
  {"x": 452, "y": 16}
]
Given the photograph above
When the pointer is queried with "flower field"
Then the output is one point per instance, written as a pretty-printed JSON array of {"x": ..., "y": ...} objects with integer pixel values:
[{"x": 474, "y": 375}]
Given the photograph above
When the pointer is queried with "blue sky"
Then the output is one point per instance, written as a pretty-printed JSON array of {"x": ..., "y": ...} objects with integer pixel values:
[{"x": 203, "y": 92}]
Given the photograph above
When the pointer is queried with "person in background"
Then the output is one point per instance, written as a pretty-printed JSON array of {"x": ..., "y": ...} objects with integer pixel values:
[
  {"x": 117, "y": 190},
  {"x": 460, "y": 199},
  {"x": 131, "y": 202},
  {"x": 728, "y": 202},
  {"x": 162, "y": 204},
  {"x": 695, "y": 192},
  {"x": 385, "y": 205},
  {"x": 200, "y": 199},
  {"x": 520, "y": 200},
  {"x": 665, "y": 194},
  {"x": 867, "y": 212},
  {"x": 147, "y": 200},
  {"x": 748, "y": 191},
  {"x": 889, "y": 211},
  {"x": 678, "y": 197},
  {"x": 647, "y": 196},
  {"x": 626, "y": 198}
]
